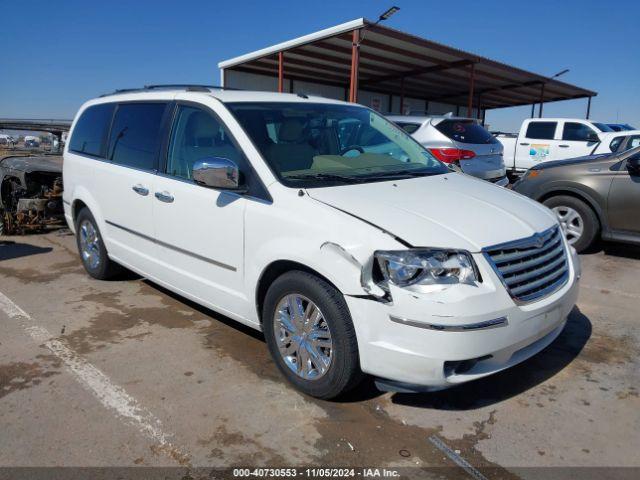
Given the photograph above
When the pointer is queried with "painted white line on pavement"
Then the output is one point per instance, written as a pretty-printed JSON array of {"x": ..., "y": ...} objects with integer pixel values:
[{"x": 110, "y": 395}]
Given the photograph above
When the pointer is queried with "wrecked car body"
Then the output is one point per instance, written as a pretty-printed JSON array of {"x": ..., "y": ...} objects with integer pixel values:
[{"x": 30, "y": 194}]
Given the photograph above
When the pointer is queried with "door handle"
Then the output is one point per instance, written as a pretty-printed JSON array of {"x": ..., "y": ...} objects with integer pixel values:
[
  {"x": 564, "y": 146},
  {"x": 524, "y": 144},
  {"x": 165, "y": 197},
  {"x": 140, "y": 190}
]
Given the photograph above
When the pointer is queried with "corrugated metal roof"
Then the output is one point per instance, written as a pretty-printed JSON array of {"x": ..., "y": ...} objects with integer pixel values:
[{"x": 391, "y": 60}]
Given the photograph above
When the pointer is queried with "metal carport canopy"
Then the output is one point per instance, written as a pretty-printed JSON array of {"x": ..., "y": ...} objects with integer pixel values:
[{"x": 361, "y": 55}]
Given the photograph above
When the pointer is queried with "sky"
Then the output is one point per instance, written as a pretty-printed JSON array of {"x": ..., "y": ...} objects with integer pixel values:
[{"x": 57, "y": 55}]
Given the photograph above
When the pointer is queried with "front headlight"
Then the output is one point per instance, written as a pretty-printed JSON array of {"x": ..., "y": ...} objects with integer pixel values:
[{"x": 416, "y": 267}]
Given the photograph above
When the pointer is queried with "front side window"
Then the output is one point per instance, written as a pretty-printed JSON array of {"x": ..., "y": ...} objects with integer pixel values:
[
  {"x": 578, "y": 132},
  {"x": 89, "y": 134},
  {"x": 541, "y": 130},
  {"x": 197, "y": 135},
  {"x": 316, "y": 144},
  {"x": 633, "y": 142},
  {"x": 135, "y": 135}
]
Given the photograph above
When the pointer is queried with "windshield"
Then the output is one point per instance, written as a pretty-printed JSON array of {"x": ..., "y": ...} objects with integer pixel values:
[
  {"x": 311, "y": 145},
  {"x": 620, "y": 127}
]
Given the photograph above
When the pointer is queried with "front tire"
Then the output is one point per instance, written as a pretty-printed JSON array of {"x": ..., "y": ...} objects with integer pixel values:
[
  {"x": 91, "y": 247},
  {"x": 577, "y": 219},
  {"x": 310, "y": 335}
]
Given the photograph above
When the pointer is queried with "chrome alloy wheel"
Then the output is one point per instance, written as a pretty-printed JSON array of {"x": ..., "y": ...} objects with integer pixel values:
[
  {"x": 571, "y": 222},
  {"x": 89, "y": 244},
  {"x": 303, "y": 337}
]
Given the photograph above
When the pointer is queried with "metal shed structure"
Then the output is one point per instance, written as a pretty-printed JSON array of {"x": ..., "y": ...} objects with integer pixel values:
[{"x": 393, "y": 71}]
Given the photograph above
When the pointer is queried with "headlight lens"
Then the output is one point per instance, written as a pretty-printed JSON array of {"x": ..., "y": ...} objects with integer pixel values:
[{"x": 406, "y": 268}]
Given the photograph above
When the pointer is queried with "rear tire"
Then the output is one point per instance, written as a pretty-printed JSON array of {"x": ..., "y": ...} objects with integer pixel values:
[
  {"x": 321, "y": 361},
  {"x": 578, "y": 220},
  {"x": 91, "y": 247}
]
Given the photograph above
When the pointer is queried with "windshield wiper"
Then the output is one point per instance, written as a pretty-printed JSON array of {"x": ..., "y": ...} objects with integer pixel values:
[
  {"x": 322, "y": 176},
  {"x": 398, "y": 174}
]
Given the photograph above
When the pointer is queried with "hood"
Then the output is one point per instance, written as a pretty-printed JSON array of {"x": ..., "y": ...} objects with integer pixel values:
[
  {"x": 446, "y": 211},
  {"x": 30, "y": 164},
  {"x": 572, "y": 161}
]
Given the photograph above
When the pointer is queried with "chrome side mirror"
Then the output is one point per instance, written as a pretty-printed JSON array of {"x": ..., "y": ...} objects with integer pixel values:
[{"x": 217, "y": 172}]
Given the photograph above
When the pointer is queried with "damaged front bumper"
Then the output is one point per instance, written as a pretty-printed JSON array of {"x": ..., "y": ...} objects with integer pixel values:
[{"x": 430, "y": 341}]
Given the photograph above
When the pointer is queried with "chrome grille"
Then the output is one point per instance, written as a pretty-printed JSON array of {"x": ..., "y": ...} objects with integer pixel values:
[{"x": 533, "y": 267}]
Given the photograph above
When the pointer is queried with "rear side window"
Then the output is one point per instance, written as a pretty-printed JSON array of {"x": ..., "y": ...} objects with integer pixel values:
[
  {"x": 541, "y": 130},
  {"x": 578, "y": 132},
  {"x": 135, "y": 135},
  {"x": 90, "y": 133},
  {"x": 408, "y": 127},
  {"x": 465, "y": 131}
]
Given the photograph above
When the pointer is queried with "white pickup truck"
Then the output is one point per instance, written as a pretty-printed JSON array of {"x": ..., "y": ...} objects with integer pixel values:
[{"x": 546, "y": 139}]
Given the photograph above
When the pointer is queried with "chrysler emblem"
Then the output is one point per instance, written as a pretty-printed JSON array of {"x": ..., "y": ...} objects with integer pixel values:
[{"x": 538, "y": 241}]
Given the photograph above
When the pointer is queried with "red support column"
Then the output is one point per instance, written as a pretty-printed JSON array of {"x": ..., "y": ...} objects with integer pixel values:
[
  {"x": 472, "y": 81},
  {"x": 355, "y": 61},
  {"x": 280, "y": 72}
]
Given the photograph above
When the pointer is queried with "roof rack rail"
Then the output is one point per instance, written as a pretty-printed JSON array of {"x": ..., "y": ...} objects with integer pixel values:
[{"x": 186, "y": 86}]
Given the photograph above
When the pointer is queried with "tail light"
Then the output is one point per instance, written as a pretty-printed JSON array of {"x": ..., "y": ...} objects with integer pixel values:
[{"x": 452, "y": 155}]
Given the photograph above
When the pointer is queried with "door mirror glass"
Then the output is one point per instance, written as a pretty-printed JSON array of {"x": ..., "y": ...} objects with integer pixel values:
[
  {"x": 217, "y": 172},
  {"x": 633, "y": 163}
]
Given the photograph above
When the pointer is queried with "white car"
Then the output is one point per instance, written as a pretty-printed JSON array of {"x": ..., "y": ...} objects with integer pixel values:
[
  {"x": 547, "y": 139},
  {"x": 255, "y": 205},
  {"x": 458, "y": 141},
  {"x": 617, "y": 142}
]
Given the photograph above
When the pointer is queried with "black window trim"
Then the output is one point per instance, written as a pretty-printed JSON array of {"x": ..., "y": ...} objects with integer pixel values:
[{"x": 261, "y": 193}]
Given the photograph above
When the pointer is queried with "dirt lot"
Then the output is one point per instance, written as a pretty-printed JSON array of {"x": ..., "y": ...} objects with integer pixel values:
[{"x": 124, "y": 373}]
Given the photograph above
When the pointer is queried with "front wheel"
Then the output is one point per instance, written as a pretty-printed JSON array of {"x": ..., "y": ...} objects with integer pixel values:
[
  {"x": 310, "y": 335},
  {"x": 578, "y": 221}
]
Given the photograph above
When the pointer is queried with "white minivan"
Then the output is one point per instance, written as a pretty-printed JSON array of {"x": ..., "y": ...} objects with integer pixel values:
[{"x": 351, "y": 261}]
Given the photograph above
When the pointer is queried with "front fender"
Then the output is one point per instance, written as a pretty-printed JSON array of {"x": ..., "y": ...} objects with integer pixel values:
[{"x": 305, "y": 231}]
